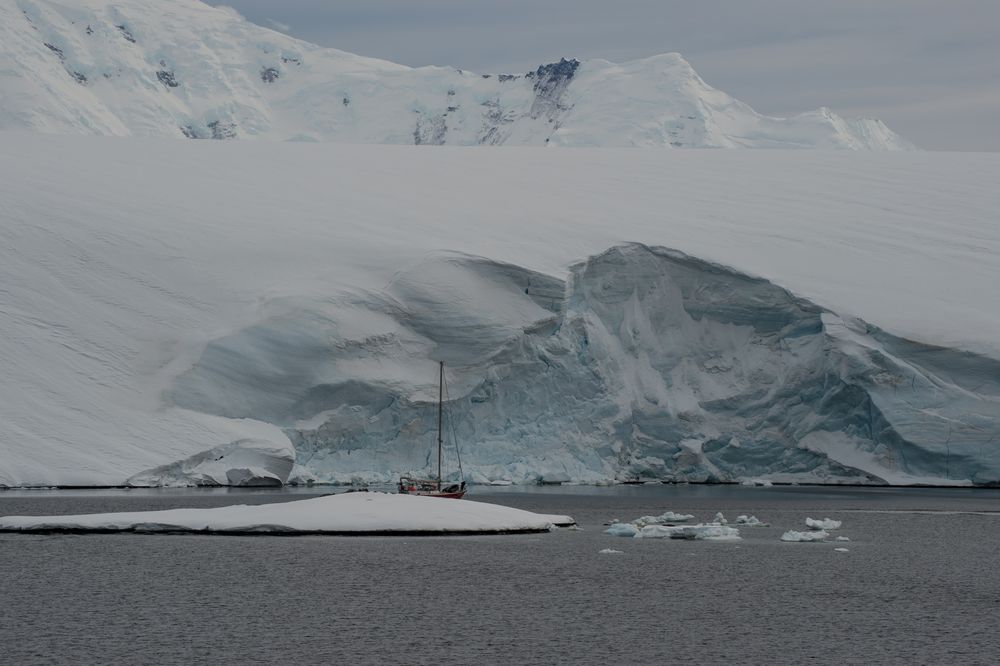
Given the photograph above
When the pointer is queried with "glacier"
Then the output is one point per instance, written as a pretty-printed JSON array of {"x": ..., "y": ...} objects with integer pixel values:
[
  {"x": 186, "y": 69},
  {"x": 604, "y": 314}
]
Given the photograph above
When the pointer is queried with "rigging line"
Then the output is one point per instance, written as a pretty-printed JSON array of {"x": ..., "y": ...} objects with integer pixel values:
[{"x": 454, "y": 436}]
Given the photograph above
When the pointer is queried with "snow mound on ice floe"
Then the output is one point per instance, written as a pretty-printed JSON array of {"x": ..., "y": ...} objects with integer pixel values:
[
  {"x": 793, "y": 536},
  {"x": 245, "y": 462},
  {"x": 346, "y": 514},
  {"x": 824, "y": 524}
]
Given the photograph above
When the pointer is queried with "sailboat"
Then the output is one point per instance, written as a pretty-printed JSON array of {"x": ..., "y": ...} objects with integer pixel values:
[{"x": 409, "y": 485}]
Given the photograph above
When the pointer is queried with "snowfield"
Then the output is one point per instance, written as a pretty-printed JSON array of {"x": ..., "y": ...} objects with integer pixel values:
[
  {"x": 344, "y": 514},
  {"x": 702, "y": 315},
  {"x": 185, "y": 69}
]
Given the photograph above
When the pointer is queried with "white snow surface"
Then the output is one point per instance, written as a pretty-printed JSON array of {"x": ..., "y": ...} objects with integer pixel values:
[
  {"x": 361, "y": 512},
  {"x": 183, "y": 68},
  {"x": 159, "y": 299}
]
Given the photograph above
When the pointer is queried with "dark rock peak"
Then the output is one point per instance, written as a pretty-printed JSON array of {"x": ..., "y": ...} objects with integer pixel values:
[
  {"x": 167, "y": 78},
  {"x": 564, "y": 69},
  {"x": 269, "y": 74},
  {"x": 290, "y": 59},
  {"x": 504, "y": 78},
  {"x": 89, "y": 30},
  {"x": 79, "y": 77},
  {"x": 126, "y": 33},
  {"x": 55, "y": 49}
]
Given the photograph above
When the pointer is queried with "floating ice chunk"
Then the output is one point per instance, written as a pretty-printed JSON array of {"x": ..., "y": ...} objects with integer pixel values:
[
  {"x": 622, "y": 530},
  {"x": 751, "y": 521},
  {"x": 825, "y": 524},
  {"x": 665, "y": 517},
  {"x": 346, "y": 513},
  {"x": 609, "y": 551},
  {"x": 842, "y": 538},
  {"x": 704, "y": 532},
  {"x": 720, "y": 519},
  {"x": 792, "y": 535},
  {"x": 766, "y": 483},
  {"x": 842, "y": 550}
]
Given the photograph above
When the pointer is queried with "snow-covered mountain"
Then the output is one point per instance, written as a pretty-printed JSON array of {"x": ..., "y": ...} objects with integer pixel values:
[
  {"x": 183, "y": 68},
  {"x": 218, "y": 311}
]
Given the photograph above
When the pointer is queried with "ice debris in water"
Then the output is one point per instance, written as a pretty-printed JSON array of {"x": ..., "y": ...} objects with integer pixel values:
[
  {"x": 665, "y": 517},
  {"x": 842, "y": 550},
  {"x": 825, "y": 524},
  {"x": 720, "y": 519},
  {"x": 709, "y": 532},
  {"x": 611, "y": 551},
  {"x": 622, "y": 530},
  {"x": 843, "y": 538},
  {"x": 765, "y": 483},
  {"x": 751, "y": 521},
  {"x": 792, "y": 535}
]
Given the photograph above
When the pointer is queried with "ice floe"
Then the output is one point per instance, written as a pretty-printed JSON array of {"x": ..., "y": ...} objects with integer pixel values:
[
  {"x": 356, "y": 513},
  {"x": 764, "y": 483},
  {"x": 751, "y": 521},
  {"x": 841, "y": 550},
  {"x": 720, "y": 519},
  {"x": 842, "y": 538},
  {"x": 665, "y": 517},
  {"x": 703, "y": 531},
  {"x": 792, "y": 535},
  {"x": 609, "y": 551},
  {"x": 824, "y": 524}
]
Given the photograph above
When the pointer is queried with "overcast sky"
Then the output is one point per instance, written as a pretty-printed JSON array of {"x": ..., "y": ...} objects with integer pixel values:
[{"x": 928, "y": 68}]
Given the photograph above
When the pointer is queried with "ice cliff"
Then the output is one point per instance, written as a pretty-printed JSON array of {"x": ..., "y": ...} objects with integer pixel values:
[
  {"x": 185, "y": 69},
  {"x": 206, "y": 312},
  {"x": 645, "y": 362}
]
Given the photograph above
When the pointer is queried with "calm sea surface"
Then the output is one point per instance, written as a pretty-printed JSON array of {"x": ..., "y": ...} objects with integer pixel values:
[{"x": 921, "y": 584}]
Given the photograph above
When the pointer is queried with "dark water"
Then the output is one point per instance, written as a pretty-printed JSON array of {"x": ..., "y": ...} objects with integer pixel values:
[{"x": 915, "y": 587}]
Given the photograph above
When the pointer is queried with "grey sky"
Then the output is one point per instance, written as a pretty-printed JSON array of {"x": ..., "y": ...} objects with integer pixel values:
[{"x": 928, "y": 68}]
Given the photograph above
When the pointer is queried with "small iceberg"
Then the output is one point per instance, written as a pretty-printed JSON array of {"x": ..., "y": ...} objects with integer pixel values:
[
  {"x": 764, "y": 483},
  {"x": 751, "y": 521},
  {"x": 804, "y": 537},
  {"x": 609, "y": 551},
  {"x": 825, "y": 524},
  {"x": 622, "y": 530},
  {"x": 665, "y": 517},
  {"x": 842, "y": 550},
  {"x": 720, "y": 519},
  {"x": 842, "y": 538},
  {"x": 706, "y": 532},
  {"x": 347, "y": 514}
]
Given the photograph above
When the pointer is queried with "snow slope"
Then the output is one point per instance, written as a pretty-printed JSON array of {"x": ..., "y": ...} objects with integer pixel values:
[
  {"x": 183, "y": 68},
  {"x": 161, "y": 298}
]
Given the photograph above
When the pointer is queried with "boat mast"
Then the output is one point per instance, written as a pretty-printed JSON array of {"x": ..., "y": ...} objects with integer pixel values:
[{"x": 440, "y": 415}]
